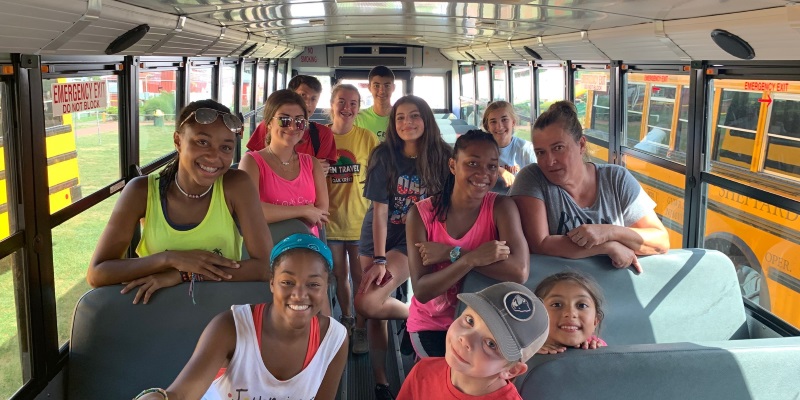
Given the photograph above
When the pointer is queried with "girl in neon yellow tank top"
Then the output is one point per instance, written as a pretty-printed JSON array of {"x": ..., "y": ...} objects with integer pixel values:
[{"x": 191, "y": 213}]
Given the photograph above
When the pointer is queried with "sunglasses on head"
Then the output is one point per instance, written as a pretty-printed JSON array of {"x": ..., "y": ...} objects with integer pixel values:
[
  {"x": 285, "y": 122},
  {"x": 206, "y": 116}
]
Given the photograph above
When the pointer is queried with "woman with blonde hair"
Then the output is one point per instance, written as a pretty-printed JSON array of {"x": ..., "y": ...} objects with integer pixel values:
[{"x": 500, "y": 120}]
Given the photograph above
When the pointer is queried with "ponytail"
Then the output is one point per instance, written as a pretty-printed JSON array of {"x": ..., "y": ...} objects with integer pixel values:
[{"x": 564, "y": 113}]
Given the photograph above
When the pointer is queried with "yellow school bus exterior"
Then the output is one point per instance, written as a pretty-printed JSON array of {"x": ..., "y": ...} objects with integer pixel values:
[{"x": 761, "y": 239}]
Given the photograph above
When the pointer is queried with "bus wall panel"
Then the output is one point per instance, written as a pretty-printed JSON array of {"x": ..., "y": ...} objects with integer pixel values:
[
  {"x": 638, "y": 42},
  {"x": 574, "y": 46},
  {"x": 536, "y": 45},
  {"x": 769, "y": 32},
  {"x": 26, "y": 28}
]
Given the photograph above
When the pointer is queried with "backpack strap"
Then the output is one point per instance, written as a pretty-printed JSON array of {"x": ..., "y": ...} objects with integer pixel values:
[{"x": 313, "y": 131}]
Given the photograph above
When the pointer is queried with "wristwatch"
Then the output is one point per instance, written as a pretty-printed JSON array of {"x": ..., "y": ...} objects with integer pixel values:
[{"x": 455, "y": 254}]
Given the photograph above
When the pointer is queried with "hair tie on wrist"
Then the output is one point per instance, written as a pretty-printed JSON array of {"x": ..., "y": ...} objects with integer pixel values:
[
  {"x": 160, "y": 391},
  {"x": 379, "y": 258}
]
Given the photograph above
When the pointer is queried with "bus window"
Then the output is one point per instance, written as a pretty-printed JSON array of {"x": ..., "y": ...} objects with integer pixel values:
[
  {"x": 7, "y": 223},
  {"x": 325, "y": 96},
  {"x": 12, "y": 330},
  {"x": 737, "y": 120},
  {"x": 783, "y": 138},
  {"x": 244, "y": 100},
  {"x": 550, "y": 86},
  {"x": 592, "y": 103},
  {"x": 201, "y": 82},
  {"x": 761, "y": 240},
  {"x": 261, "y": 89},
  {"x": 157, "y": 109},
  {"x": 659, "y": 120},
  {"x": 498, "y": 82},
  {"x": 483, "y": 90},
  {"x": 467, "y": 100},
  {"x": 634, "y": 112},
  {"x": 432, "y": 88},
  {"x": 667, "y": 188},
  {"x": 682, "y": 135},
  {"x": 366, "y": 96},
  {"x": 521, "y": 98},
  {"x": 271, "y": 70},
  {"x": 282, "y": 74},
  {"x": 227, "y": 88}
]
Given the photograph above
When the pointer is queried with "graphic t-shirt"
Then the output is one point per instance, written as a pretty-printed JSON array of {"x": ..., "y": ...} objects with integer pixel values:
[
  {"x": 518, "y": 154},
  {"x": 371, "y": 121},
  {"x": 346, "y": 184},
  {"x": 430, "y": 379},
  {"x": 406, "y": 191},
  {"x": 327, "y": 147},
  {"x": 620, "y": 199}
]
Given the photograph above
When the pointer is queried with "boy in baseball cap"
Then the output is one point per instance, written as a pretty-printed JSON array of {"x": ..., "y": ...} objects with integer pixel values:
[{"x": 501, "y": 328}]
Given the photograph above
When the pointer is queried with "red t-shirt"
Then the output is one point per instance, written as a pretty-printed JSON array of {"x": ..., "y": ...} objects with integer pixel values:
[
  {"x": 430, "y": 379},
  {"x": 327, "y": 146}
]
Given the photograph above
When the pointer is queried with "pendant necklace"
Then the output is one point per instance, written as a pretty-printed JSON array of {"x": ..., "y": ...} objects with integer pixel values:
[
  {"x": 191, "y": 196},
  {"x": 286, "y": 163}
]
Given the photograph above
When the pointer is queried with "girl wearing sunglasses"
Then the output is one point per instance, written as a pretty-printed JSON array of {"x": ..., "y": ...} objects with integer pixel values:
[
  {"x": 189, "y": 214},
  {"x": 290, "y": 184}
]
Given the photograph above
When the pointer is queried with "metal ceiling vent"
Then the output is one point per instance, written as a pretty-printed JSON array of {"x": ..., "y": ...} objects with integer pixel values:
[{"x": 370, "y": 56}]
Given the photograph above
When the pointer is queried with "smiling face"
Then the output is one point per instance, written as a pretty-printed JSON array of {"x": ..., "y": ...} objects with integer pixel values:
[
  {"x": 310, "y": 96},
  {"x": 471, "y": 348},
  {"x": 559, "y": 156},
  {"x": 501, "y": 125},
  {"x": 299, "y": 286},
  {"x": 408, "y": 122},
  {"x": 205, "y": 153},
  {"x": 475, "y": 168},
  {"x": 381, "y": 89},
  {"x": 345, "y": 105},
  {"x": 573, "y": 314},
  {"x": 290, "y": 135}
]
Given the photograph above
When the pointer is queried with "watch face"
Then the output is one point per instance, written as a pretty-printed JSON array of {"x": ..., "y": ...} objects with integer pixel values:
[{"x": 455, "y": 254}]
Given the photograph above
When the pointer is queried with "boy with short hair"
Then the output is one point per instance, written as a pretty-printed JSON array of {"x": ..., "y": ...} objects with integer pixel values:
[
  {"x": 502, "y": 327},
  {"x": 376, "y": 117},
  {"x": 317, "y": 139}
]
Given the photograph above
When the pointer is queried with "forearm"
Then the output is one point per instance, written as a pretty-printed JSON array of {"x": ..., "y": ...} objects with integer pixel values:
[
  {"x": 514, "y": 269},
  {"x": 562, "y": 246},
  {"x": 276, "y": 213},
  {"x": 112, "y": 272},
  {"x": 251, "y": 270},
  {"x": 643, "y": 241},
  {"x": 434, "y": 284}
]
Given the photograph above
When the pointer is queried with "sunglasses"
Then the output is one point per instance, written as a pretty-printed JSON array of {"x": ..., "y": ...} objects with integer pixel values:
[
  {"x": 285, "y": 122},
  {"x": 206, "y": 116}
]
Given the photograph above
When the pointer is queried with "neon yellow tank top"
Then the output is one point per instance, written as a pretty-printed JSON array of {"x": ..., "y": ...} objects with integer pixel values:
[{"x": 217, "y": 232}]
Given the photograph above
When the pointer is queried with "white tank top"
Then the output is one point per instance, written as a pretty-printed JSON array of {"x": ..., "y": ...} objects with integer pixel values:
[{"x": 247, "y": 377}]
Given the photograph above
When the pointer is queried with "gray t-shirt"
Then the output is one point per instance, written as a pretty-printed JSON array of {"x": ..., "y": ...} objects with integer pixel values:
[
  {"x": 620, "y": 199},
  {"x": 520, "y": 153}
]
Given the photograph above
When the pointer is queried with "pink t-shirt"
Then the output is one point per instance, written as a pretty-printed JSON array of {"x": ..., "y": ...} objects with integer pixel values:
[
  {"x": 299, "y": 191},
  {"x": 438, "y": 313}
]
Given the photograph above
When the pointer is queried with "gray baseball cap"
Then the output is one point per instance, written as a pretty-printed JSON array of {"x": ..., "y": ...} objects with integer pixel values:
[{"x": 515, "y": 316}]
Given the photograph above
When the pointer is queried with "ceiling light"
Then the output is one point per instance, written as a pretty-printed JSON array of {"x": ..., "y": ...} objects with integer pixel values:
[{"x": 317, "y": 22}]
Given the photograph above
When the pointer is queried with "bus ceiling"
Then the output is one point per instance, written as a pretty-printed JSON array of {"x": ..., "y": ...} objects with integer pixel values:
[{"x": 653, "y": 30}]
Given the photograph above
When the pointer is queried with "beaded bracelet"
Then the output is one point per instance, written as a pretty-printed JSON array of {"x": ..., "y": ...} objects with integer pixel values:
[
  {"x": 160, "y": 391},
  {"x": 185, "y": 276},
  {"x": 379, "y": 261}
]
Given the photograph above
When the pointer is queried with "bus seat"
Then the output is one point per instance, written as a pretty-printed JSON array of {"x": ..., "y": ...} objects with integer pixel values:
[
  {"x": 117, "y": 348},
  {"x": 683, "y": 295},
  {"x": 728, "y": 370},
  {"x": 280, "y": 230}
]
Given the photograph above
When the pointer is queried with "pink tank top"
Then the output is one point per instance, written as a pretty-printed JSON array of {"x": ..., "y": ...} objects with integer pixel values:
[
  {"x": 283, "y": 192},
  {"x": 438, "y": 313}
]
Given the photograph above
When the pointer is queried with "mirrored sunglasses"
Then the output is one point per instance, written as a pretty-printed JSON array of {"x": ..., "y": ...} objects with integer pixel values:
[
  {"x": 206, "y": 116},
  {"x": 284, "y": 122}
]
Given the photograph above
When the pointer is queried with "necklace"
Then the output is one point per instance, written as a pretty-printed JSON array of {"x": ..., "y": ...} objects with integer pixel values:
[
  {"x": 191, "y": 196},
  {"x": 284, "y": 163}
]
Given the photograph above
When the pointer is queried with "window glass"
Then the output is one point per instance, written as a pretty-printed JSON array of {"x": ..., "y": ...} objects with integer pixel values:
[
  {"x": 201, "y": 83},
  {"x": 634, "y": 112},
  {"x": 73, "y": 244},
  {"x": 550, "y": 86},
  {"x": 521, "y": 98},
  {"x": 82, "y": 146},
  {"x": 483, "y": 90},
  {"x": 366, "y": 96},
  {"x": 261, "y": 90},
  {"x": 432, "y": 88},
  {"x": 227, "y": 88},
  {"x": 682, "y": 136},
  {"x": 591, "y": 100},
  {"x": 7, "y": 223},
  {"x": 11, "y": 377},
  {"x": 783, "y": 138},
  {"x": 760, "y": 239},
  {"x": 324, "y": 97},
  {"x": 157, "y": 112},
  {"x": 282, "y": 74},
  {"x": 737, "y": 118},
  {"x": 244, "y": 101},
  {"x": 499, "y": 83},
  {"x": 467, "y": 100},
  {"x": 271, "y": 77}
]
